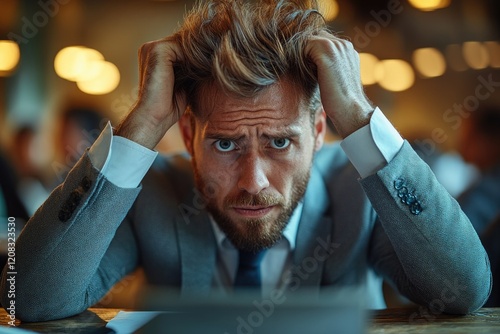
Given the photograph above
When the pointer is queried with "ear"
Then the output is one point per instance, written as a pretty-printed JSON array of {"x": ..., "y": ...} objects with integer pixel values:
[
  {"x": 187, "y": 130},
  {"x": 319, "y": 129}
]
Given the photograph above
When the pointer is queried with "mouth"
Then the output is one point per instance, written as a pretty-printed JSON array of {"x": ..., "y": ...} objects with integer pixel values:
[{"x": 253, "y": 211}]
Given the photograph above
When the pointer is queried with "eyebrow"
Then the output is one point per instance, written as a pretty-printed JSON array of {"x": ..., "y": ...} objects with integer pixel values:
[
  {"x": 221, "y": 135},
  {"x": 285, "y": 133}
]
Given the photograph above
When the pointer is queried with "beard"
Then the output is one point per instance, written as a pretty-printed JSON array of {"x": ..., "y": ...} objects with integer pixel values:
[{"x": 253, "y": 234}]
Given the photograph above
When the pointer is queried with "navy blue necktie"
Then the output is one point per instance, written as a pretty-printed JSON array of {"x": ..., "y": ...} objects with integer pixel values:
[{"x": 248, "y": 274}]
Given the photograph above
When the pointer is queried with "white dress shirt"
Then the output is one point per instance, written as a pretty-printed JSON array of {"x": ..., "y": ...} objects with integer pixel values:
[{"x": 124, "y": 163}]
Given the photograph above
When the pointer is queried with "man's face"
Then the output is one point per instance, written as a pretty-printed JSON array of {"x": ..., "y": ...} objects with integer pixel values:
[{"x": 252, "y": 158}]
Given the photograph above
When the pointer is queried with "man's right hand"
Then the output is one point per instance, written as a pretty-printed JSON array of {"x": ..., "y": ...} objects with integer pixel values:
[{"x": 158, "y": 107}]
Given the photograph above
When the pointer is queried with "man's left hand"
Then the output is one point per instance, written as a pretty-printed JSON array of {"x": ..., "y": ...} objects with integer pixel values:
[{"x": 339, "y": 79}]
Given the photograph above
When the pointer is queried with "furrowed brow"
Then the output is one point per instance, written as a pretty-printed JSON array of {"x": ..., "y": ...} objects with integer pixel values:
[
  {"x": 221, "y": 135},
  {"x": 283, "y": 133}
]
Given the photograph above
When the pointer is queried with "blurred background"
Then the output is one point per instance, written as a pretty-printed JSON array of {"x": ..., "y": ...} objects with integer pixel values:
[{"x": 69, "y": 66}]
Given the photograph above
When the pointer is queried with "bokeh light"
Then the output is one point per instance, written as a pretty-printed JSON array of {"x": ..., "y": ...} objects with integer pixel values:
[
  {"x": 429, "y": 62},
  {"x": 329, "y": 9},
  {"x": 77, "y": 62},
  {"x": 9, "y": 56},
  {"x": 493, "y": 48},
  {"x": 367, "y": 67},
  {"x": 395, "y": 75},
  {"x": 105, "y": 82},
  {"x": 429, "y": 5},
  {"x": 475, "y": 55}
]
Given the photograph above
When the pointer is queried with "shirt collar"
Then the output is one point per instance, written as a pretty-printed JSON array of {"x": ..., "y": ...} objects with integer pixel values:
[{"x": 290, "y": 231}]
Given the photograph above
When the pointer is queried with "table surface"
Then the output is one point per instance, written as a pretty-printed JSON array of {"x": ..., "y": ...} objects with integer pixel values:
[{"x": 485, "y": 320}]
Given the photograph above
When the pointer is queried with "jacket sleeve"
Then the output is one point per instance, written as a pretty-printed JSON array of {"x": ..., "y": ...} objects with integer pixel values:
[
  {"x": 73, "y": 249},
  {"x": 423, "y": 242}
]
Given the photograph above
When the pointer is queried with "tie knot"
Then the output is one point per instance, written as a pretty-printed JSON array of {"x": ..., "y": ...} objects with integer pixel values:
[{"x": 251, "y": 259}]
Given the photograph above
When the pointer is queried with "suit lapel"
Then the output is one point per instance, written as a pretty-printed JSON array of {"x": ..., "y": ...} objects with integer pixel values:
[
  {"x": 313, "y": 233},
  {"x": 198, "y": 251},
  {"x": 197, "y": 245}
]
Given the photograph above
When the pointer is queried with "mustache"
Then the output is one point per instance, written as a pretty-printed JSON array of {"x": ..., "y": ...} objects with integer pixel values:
[{"x": 246, "y": 199}]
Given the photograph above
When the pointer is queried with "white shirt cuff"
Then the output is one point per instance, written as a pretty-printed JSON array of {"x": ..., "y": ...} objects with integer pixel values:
[
  {"x": 373, "y": 146},
  {"x": 122, "y": 161}
]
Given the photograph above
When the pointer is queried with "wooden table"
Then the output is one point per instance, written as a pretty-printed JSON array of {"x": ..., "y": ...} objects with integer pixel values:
[
  {"x": 412, "y": 321},
  {"x": 486, "y": 320}
]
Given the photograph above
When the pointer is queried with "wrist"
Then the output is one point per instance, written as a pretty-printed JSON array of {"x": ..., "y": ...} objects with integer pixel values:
[
  {"x": 352, "y": 118},
  {"x": 146, "y": 131}
]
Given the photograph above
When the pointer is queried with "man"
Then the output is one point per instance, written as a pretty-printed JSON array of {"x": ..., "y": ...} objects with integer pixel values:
[{"x": 249, "y": 77}]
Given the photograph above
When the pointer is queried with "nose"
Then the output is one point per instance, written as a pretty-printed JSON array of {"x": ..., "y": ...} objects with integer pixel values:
[{"x": 252, "y": 178}]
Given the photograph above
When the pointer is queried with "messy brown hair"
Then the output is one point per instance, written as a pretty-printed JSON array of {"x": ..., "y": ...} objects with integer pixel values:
[{"x": 245, "y": 46}]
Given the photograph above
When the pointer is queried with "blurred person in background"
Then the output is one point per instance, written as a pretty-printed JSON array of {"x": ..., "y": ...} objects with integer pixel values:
[
  {"x": 11, "y": 203},
  {"x": 479, "y": 144},
  {"x": 77, "y": 127},
  {"x": 28, "y": 156}
]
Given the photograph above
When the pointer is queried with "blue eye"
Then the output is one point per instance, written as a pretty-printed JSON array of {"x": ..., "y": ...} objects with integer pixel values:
[
  {"x": 225, "y": 145},
  {"x": 280, "y": 143}
]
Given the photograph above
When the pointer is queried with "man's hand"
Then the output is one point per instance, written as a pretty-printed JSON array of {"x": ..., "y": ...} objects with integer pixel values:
[
  {"x": 158, "y": 107},
  {"x": 339, "y": 82}
]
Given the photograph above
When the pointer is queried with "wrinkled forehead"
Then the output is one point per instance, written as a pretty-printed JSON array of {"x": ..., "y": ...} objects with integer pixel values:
[{"x": 283, "y": 99}]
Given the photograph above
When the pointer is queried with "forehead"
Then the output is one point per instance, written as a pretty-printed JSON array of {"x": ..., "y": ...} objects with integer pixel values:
[{"x": 282, "y": 101}]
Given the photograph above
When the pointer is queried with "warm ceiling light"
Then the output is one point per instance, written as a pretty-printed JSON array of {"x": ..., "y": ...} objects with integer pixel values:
[
  {"x": 429, "y": 5},
  {"x": 329, "y": 9},
  {"x": 429, "y": 62},
  {"x": 74, "y": 62},
  {"x": 105, "y": 82},
  {"x": 475, "y": 55},
  {"x": 494, "y": 52},
  {"x": 367, "y": 67},
  {"x": 394, "y": 75},
  {"x": 9, "y": 56}
]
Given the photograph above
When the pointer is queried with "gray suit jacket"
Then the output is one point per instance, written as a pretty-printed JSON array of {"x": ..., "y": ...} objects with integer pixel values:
[{"x": 399, "y": 222}]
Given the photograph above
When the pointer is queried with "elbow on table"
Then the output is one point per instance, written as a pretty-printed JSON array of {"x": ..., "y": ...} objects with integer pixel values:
[
  {"x": 33, "y": 313},
  {"x": 467, "y": 298},
  {"x": 27, "y": 307}
]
